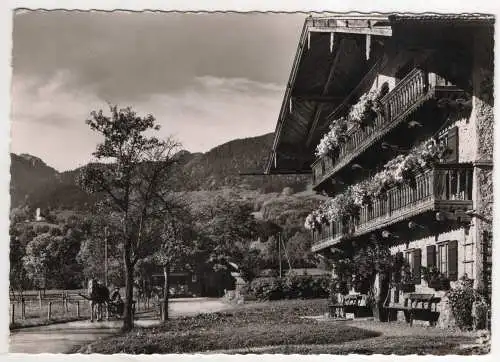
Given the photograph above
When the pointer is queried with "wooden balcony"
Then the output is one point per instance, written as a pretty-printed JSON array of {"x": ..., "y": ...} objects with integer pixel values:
[
  {"x": 408, "y": 95},
  {"x": 445, "y": 187}
]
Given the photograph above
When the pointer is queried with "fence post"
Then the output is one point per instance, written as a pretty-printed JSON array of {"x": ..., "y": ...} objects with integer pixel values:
[
  {"x": 66, "y": 297},
  {"x": 23, "y": 309},
  {"x": 49, "y": 310},
  {"x": 40, "y": 299},
  {"x": 77, "y": 309},
  {"x": 12, "y": 312},
  {"x": 161, "y": 311}
]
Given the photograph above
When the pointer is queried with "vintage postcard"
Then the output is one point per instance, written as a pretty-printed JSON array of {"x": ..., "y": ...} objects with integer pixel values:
[{"x": 264, "y": 183}]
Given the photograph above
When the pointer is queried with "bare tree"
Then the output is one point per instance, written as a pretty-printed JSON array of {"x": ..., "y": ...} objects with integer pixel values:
[{"x": 132, "y": 173}]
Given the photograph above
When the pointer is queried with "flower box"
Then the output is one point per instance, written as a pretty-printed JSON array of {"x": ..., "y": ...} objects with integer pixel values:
[
  {"x": 439, "y": 284},
  {"x": 408, "y": 287}
]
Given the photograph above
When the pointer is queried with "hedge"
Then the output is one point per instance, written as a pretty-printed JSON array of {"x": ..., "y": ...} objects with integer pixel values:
[{"x": 290, "y": 287}]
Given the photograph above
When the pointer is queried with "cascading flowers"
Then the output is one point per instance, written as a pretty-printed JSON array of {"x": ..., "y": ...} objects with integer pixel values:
[
  {"x": 332, "y": 140},
  {"x": 361, "y": 193},
  {"x": 360, "y": 113},
  {"x": 399, "y": 170},
  {"x": 365, "y": 109},
  {"x": 315, "y": 219}
]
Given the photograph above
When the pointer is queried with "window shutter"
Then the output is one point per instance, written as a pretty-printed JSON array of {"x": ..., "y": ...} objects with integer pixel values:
[
  {"x": 452, "y": 153},
  {"x": 453, "y": 260},
  {"x": 431, "y": 256},
  {"x": 399, "y": 255},
  {"x": 417, "y": 263}
]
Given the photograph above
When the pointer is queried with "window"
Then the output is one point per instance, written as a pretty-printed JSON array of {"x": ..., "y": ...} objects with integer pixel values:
[
  {"x": 414, "y": 259},
  {"x": 449, "y": 139},
  {"x": 384, "y": 89},
  {"x": 447, "y": 259},
  {"x": 443, "y": 259}
]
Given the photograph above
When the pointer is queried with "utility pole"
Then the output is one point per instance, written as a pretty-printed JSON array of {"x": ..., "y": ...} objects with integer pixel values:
[
  {"x": 279, "y": 252},
  {"x": 106, "y": 256}
]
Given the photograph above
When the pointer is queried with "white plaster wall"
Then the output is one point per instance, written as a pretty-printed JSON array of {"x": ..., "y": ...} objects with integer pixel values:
[
  {"x": 381, "y": 79},
  {"x": 466, "y": 252}
]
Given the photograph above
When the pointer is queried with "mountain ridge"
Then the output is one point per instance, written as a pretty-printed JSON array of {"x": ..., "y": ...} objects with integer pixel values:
[{"x": 35, "y": 183}]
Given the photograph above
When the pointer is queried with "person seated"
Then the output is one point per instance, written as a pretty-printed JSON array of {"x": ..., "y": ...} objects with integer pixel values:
[{"x": 116, "y": 301}]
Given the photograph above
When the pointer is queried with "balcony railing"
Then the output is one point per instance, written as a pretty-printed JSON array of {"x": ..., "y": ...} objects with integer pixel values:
[
  {"x": 416, "y": 88},
  {"x": 443, "y": 186}
]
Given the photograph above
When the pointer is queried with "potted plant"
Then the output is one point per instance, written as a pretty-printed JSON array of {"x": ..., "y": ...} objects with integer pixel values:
[
  {"x": 407, "y": 284},
  {"x": 435, "y": 279}
]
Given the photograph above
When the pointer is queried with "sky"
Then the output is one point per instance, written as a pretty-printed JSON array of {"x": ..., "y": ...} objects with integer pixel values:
[{"x": 207, "y": 78}]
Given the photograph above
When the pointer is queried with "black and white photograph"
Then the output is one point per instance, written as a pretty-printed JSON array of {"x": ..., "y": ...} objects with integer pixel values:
[{"x": 251, "y": 182}]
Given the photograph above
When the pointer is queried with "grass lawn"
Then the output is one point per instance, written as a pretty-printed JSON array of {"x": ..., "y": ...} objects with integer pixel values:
[
  {"x": 246, "y": 326},
  {"x": 404, "y": 345},
  {"x": 276, "y": 327}
]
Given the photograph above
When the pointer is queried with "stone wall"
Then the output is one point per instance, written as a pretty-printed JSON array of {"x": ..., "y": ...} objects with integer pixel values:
[{"x": 483, "y": 102}]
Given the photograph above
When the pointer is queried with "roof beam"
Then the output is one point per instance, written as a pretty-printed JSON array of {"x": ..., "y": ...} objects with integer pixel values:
[
  {"x": 317, "y": 98},
  {"x": 380, "y": 30},
  {"x": 319, "y": 107},
  {"x": 291, "y": 81}
]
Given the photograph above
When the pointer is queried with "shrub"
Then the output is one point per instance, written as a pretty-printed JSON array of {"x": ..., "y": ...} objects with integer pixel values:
[
  {"x": 462, "y": 298},
  {"x": 290, "y": 287}
]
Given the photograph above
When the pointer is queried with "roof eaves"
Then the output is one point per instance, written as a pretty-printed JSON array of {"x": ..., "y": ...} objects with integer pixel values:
[
  {"x": 286, "y": 98},
  {"x": 443, "y": 18}
]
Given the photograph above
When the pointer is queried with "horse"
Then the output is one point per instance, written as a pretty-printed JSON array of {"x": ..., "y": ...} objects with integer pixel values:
[{"x": 98, "y": 297}]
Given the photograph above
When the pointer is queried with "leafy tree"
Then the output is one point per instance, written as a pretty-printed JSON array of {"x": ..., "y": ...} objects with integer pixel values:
[
  {"x": 250, "y": 265},
  {"x": 17, "y": 276},
  {"x": 132, "y": 175},
  {"x": 92, "y": 251},
  {"x": 40, "y": 260},
  {"x": 175, "y": 239},
  {"x": 298, "y": 248},
  {"x": 230, "y": 225}
]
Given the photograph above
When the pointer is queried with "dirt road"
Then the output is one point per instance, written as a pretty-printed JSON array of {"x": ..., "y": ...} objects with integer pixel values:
[{"x": 61, "y": 338}]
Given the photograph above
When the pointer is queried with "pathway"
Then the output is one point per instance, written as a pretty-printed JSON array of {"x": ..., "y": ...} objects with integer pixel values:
[{"x": 63, "y": 337}]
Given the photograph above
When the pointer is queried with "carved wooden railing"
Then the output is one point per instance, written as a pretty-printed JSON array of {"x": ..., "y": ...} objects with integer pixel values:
[
  {"x": 445, "y": 184},
  {"x": 416, "y": 88}
]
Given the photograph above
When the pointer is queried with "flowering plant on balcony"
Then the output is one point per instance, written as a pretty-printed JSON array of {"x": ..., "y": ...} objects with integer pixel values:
[
  {"x": 341, "y": 206},
  {"x": 431, "y": 151},
  {"x": 361, "y": 193},
  {"x": 315, "y": 219},
  {"x": 332, "y": 140},
  {"x": 365, "y": 110},
  {"x": 401, "y": 169}
]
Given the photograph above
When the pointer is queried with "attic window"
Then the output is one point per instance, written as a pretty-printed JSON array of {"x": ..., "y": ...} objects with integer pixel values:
[{"x": 384, "y": 89}]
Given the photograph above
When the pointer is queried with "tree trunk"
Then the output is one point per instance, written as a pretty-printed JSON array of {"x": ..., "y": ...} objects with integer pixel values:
[
  {"x": 128, "y": 321},
  {"x": 166, "y": 287},
  {"x": 380, "y": 289}
]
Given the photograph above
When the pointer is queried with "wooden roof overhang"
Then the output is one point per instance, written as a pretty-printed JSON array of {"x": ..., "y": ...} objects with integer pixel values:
[
  {"x": 450, "y": 36},
  {"x": 332, "y": 57}
]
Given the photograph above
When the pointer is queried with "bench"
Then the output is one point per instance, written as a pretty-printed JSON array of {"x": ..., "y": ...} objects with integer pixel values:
[
  {"x": 350, "y": 304},
  {"x": 417, "y": 305}
]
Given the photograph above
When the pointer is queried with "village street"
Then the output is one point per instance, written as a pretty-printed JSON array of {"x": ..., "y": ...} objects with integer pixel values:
[{"x": 61, "y": 338}]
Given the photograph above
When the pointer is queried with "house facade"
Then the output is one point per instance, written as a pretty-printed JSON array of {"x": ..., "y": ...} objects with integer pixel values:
[{"x": 393, "y": 117}]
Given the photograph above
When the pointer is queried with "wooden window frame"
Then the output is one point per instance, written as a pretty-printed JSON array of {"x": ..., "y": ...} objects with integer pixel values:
[
  {"x": 444, "y": 266},
  {"x": 409, "y": 255}
]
